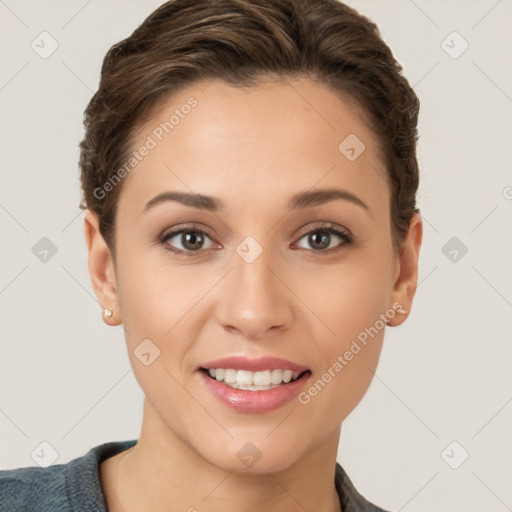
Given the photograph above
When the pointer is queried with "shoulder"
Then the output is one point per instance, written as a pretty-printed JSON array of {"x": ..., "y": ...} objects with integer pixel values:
[
  {"x": 351, "y": 500},
  {"x": 61, "y": 487},
  {"x": 33, "y": 488}
]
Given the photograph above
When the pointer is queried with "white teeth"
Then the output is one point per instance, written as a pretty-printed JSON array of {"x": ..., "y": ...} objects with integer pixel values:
[
  {"x": 287, "y": 375},
  {"x": 263, "y": 378},
  {"x": 229, "y": 376},
  {"x": 244, "y": 378},
  {"x": 253, "y": 381},
  {"x": 277, "y": 376}
]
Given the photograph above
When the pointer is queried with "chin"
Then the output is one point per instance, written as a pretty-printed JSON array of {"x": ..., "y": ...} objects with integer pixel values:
[
  {"x": 264, "y": 465},
  {"x": 256, "y": 456}
]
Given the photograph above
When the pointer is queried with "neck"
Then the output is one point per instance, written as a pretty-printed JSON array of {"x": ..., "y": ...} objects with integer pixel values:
[{"x": 161, "y": 472}]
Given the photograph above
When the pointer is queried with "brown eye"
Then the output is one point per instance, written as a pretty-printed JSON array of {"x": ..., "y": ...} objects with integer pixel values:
[
  {"x": 185, "y": 240},
  {"x": 324, "y": 239},
  {"x": 319, "y": 240}
]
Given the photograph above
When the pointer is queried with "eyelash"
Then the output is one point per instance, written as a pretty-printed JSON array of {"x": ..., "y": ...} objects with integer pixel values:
[{"x": 324, "y": 228}]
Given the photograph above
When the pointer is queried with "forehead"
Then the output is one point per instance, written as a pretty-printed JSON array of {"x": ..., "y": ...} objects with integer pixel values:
[{"x": 260, "y": 142}]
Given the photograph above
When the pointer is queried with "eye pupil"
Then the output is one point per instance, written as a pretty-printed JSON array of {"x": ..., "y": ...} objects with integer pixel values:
[
  {"x": 320, "y": 237},
  {"x": 190, "y": 238}
]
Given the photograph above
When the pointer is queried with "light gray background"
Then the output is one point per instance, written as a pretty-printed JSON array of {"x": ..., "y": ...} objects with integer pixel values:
[{"x": 443, "y": 376}]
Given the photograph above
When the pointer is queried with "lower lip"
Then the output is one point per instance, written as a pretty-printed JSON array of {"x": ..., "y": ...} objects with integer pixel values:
[{"x": 255, "y": 401}]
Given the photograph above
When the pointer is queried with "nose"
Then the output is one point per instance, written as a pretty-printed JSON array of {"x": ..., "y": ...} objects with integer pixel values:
[{"x": 255, "y": 303}]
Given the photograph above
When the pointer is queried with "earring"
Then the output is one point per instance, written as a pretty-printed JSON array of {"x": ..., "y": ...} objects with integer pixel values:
[
  {"x": 107, "y": 312},
  {"x": 402, "y": 311}
]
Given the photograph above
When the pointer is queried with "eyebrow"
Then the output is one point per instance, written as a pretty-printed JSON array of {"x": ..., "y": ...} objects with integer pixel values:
[{"x": 299, "y": 200}]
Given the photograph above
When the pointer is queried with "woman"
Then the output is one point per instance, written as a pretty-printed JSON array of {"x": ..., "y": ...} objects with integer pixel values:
[{"x": 249, "y": 177}]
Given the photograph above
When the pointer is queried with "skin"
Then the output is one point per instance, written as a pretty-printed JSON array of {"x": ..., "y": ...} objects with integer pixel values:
[{"x": 252, "y": 149}]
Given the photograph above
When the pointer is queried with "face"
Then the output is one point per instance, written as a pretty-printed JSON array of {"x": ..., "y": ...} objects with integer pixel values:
[{"x": 287, "y": 263}]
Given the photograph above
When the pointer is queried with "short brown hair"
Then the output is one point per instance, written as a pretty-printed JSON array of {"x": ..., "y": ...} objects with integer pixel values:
[{"x": 240, "y": 42}]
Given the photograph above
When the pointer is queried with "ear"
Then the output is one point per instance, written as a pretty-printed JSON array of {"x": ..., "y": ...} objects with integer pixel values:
[
  {"x": 406, "y": 280},
  {"x": 101, "y": 269}
]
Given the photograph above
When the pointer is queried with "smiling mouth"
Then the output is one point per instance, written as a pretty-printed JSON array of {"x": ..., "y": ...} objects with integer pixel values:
[{"x": 253, "y": 381}]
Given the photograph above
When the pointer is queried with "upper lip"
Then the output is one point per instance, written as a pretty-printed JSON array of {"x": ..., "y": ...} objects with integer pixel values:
[{"x": 254, "y": 365}]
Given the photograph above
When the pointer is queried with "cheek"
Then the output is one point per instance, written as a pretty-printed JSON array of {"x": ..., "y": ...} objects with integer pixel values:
[
  {"x": 344, "y": 383},
  {"x": 350, "y": 301},
  {"x": 347, "y": 299},
  {"x": 348, "y": 361},
  {"x": 154, "y": 295}
]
